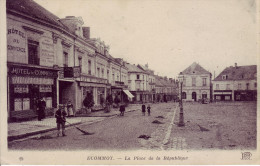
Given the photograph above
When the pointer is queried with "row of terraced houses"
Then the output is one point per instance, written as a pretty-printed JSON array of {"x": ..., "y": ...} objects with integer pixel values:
[{"x": 55, "y": 58}]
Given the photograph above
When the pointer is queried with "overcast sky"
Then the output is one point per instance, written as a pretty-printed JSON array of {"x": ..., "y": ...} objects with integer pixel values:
[{"x": 170, "y": 35}]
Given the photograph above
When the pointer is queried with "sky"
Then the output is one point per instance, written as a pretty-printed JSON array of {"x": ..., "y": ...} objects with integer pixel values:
[{"x": 170, "y": 35}]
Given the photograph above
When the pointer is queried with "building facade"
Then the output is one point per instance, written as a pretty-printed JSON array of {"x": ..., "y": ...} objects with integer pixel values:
[
  {"x": 138, "y": 83},
  {"x": 237, "y": 83},
  {"x": 196, "y": 83}
]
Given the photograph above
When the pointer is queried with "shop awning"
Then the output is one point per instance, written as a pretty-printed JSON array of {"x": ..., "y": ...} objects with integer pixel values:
[{"x": 128, "y": 93}]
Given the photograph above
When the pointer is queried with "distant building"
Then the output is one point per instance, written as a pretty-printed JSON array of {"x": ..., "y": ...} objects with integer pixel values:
[
  {"x": 166, "y": 89},
  {"x": 150, "y": 82},
  {"x": 137, "y": 83},
  {"x": 238, "y": 83},
  {"x": 196, "y": 83}
]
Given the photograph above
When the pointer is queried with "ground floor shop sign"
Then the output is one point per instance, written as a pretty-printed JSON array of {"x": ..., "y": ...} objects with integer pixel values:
[{"x": 26, "y": 85}]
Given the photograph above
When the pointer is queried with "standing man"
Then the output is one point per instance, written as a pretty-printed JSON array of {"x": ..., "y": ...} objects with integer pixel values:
[
  {"x": 60, "y": 115},
  {"x": 41, "y": 109},
  {"x": 143, "y": 109},
  {"x": 149, "y": 109}
]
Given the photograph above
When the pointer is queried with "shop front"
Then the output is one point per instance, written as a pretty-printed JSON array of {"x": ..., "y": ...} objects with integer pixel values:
[
  {"x": 245, "y": 95},
  {"x": 225, "y": 95},
  {"x": 26, "y": 85}
]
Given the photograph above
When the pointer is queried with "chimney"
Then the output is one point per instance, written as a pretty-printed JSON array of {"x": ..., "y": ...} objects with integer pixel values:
[
  {"x": 146, "y": 65},
  {"x": 236, "y": 65},
  {"x": 86, "y": 32}
]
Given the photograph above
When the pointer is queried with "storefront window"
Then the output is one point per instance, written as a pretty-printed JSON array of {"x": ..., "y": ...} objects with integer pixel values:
[
  {"x": 227, "y": 97},
  {"x": 21, "y": 104}
]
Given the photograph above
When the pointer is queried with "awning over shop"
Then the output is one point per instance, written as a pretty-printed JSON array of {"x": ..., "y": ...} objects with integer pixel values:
[{"x": 128, "y": 93}]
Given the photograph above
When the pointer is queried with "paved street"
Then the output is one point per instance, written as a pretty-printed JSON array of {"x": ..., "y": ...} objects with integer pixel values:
[
  {"x": 230, "y": 125},
  {"x": 111, "y": 133}
]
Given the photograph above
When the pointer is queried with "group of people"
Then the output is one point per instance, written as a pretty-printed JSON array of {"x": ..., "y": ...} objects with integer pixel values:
[
  {"x": 148, "y": 109},
  {"x": 122, "y": 109}
]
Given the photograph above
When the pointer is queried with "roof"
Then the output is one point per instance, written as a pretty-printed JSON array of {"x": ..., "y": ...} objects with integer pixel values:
[
  {"x": 238, "y": 73},
  {"x": 133, "y": 68},
  {"x": 31, "y": 8},
  {"x": 158, "y": 81},
  {"x": 195, "y": 68},
  {"x": 145, "y": 69}
]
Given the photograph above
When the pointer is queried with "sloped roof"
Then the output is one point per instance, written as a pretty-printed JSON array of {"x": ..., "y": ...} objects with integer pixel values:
[
  {"x": 133, "y": 68},
  {"x": 31, "y": 8},
  {"x": 195, "y": 68},
  {"x": 238, "y": 73},
  {"x": 158, "y": 81},
  {"x": 145, "y": 69}
]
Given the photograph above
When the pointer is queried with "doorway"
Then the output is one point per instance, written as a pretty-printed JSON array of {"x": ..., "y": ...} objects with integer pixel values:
[{"x": 194, "y": 96}]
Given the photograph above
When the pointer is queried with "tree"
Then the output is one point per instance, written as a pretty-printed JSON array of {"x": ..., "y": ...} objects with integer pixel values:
[
  {"x": 89, "y": 100},
  {"x": 109, "y": 99}
]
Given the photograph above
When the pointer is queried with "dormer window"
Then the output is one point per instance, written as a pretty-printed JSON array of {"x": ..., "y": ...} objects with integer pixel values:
[{"x": 224, "y": 77}]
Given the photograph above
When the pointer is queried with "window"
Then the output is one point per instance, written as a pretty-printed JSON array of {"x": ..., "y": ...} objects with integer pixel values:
[
  {"x": 98, "y": 70},
  {"x": 89, "y": 67},
  {"x": 224, "y": 77},
  {"x": 117, "y": 77},
  {"x": 217, "y": 86},
  {"x": 183, "y": 95},
  {"x": 80, "y": 63},
  {"x": 227, "y": 97},
  {"x": 204, "y": 81},
  {"x": 108, "y": 76},
  {"x": 228, "y": 86},
  {"x": 239, "y": 85},
  {"x": 137, "y": 76},
  {"x": 247, "y": 86},
  {"x": 184, "y": 82},
  {"x": 113, "y": 76},
  {"x": 255, "y": 85},
  {"x": 21, "y": 104},
  {"x": 33, "y": 57},
  {"x": 65, "y": 59},
  {"x": 102, "y": 73},
  {"x": 193, "y": 81}
]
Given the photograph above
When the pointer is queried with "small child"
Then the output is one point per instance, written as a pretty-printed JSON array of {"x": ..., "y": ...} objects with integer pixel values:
[
  {"x": 149, "y": 109},
  {"x": 60, "y": 115}
]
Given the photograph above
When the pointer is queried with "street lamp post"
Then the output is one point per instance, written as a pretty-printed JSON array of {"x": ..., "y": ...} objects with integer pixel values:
[{"x": 181, "y": 117}]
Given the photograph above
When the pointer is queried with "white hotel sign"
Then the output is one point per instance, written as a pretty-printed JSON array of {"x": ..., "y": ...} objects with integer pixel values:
[
  {"x": 46, "y": 52},
  {"x": 16, "y": 44}
]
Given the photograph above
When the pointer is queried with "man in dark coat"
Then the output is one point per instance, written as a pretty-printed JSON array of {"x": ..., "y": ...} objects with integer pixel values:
[
  {"x": 143, "y": 109},
  {"x": 122, "y": 110},
  {"x": 60, "y": 115},
  {"x": 41, "y": 109}
]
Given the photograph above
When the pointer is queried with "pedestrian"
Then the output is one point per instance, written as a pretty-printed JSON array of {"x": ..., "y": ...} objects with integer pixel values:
[
  {"x": 143, "y": 109},
  {"x": 41, "y": 109},
  {"x": 60, "y": 115},
  {"x": 149, "y": 109},
  {"x": 70, "y": 109},
  {"x": 122, "y": 110}
]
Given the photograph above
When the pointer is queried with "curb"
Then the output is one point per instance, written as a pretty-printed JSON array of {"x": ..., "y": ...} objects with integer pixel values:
[{"x": 16, "y": 137}]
